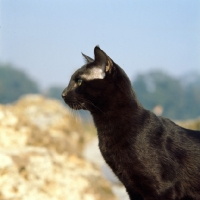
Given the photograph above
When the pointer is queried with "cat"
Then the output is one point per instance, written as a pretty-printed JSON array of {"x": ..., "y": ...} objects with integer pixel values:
[{"x": 154, "y": 158}]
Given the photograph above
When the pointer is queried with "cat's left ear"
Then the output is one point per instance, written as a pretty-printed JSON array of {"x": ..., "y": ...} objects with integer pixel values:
[
  {"x": 102, "y": 59},
  {"x": 87, "y": 58}
]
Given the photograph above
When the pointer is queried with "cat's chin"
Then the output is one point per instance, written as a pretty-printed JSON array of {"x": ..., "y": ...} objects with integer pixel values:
[{"x": 76, "y": 107}]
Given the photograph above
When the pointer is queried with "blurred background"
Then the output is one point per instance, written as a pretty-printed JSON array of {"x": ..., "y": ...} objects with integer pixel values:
[{"x": 157, "y": 43}]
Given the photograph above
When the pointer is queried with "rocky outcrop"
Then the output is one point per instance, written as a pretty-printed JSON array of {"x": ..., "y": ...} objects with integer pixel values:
[{"x": 40, "y": 148}]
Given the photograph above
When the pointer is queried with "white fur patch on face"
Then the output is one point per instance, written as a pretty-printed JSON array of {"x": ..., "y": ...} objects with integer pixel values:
[{"x": 94, "y": 73}]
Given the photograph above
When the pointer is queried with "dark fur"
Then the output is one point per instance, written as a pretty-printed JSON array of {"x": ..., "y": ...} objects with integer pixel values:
[{"x": 152, "y": 156}]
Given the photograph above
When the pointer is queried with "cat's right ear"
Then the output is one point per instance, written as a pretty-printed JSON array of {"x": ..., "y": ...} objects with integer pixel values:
[
  {"x": 102, "y": 59},
  {"x": 87, "y": 58}
]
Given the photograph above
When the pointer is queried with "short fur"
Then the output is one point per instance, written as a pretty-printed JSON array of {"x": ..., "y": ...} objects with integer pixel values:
[{"x": 153, "y": 157}]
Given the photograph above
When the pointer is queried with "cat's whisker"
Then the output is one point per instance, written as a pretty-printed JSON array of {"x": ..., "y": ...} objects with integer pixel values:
[
  {"x": 78, "y": 117},
  {"x": 71, "y": 112},
  {"x": 76, "y": 113},
  {"x": 89, "y": 122},
  {"x": 73, "y": 106},
  {"x": 89, "y": 102}
]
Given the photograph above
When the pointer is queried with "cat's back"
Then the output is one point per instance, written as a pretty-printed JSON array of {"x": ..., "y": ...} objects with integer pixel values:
[
  {"x": 163, "y": 136},
  {"x": 172, "y": 155},
  {"x": 162, "y": 156}
]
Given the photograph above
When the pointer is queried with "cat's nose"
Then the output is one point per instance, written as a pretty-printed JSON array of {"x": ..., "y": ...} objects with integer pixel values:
[{"x": 64, "y": 93}]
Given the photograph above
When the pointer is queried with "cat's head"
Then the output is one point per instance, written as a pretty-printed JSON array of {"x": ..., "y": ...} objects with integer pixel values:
[{"x": 93, "y": 84}]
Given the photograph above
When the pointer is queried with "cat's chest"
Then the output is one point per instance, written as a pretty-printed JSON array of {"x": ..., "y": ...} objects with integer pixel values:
[
  {"x": 115, "y": 152},
  {"x": 118, "y": 157}
]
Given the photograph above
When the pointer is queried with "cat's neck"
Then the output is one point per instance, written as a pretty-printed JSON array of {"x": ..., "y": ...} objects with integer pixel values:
[{"x": 118, "y": 115}]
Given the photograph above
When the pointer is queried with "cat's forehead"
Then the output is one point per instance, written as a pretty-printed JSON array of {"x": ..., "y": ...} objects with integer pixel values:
[{"x": 90, "y": 72}]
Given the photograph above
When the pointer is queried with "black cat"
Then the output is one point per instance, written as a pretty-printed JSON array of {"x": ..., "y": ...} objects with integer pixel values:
[{"x": 152, "y": 156}]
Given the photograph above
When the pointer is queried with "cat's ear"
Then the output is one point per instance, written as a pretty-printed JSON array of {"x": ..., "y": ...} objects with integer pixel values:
[
  {"x": 87, "y": 58},
  {"x": 102, "y": 59}
]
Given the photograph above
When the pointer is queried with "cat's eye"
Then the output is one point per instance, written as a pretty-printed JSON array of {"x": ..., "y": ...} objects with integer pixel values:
[{"x": 79, "y": 82}]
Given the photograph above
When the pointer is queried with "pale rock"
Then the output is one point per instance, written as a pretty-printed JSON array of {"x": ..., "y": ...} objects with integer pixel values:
[
  {"x": 40, "y": 144},
  {"x": 36, "y": 173}
]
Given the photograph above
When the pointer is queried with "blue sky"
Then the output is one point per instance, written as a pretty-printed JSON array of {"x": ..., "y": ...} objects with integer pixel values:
[{"x": 46, "y": 37}]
